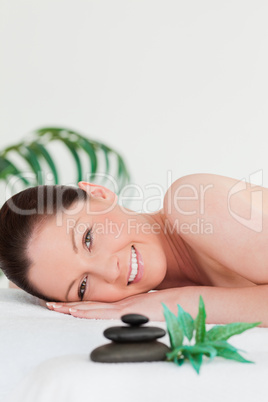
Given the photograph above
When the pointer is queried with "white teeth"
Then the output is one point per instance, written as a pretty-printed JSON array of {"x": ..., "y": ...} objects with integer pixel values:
[{"x": 134, "y": 266}]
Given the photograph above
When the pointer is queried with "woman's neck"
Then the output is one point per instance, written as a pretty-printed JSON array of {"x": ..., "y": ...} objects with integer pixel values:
[{"x": 181, "y": 268}]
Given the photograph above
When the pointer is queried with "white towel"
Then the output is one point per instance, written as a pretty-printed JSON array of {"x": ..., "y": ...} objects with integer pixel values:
[{"x": 45, "y": 357}]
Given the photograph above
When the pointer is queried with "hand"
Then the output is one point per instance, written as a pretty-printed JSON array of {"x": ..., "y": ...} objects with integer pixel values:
[{"x": 148, "y": 304}]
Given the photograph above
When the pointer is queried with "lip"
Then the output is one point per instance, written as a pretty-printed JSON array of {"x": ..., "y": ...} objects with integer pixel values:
[{"x": 140, "y": 267}]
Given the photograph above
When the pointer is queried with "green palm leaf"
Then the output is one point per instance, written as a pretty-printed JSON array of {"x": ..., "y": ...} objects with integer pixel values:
[
  {"x": 27, "y": 152},
  {"x": 122, "y": 172},
  {"x": 34, "y": 151},
  {"x": 106, "y": 151},
  {"x": 8, "y": 168},
  {"x": 40, "y": 150},
  {"x": 88, "y": 148},
  {"x": 72, "y": 148}
]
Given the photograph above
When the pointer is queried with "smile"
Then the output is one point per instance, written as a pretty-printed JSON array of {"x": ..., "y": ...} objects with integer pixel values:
[{"x": 135, "y": 266}]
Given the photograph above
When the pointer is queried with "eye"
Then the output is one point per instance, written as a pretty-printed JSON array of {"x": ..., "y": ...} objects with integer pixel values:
[
  {"x": 88, "y": 239},
  {"x": 82, "y": 288}
]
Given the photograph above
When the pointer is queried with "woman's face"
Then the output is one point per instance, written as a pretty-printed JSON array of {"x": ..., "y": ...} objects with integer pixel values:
[{"x": 87, "y": 251}]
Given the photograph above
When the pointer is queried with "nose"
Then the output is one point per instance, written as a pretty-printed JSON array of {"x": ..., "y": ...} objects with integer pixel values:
[{"x": 106, "y": 268}]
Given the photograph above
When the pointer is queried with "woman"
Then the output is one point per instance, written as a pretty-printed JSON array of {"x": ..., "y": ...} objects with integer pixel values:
[{"x": 90, "y": 257}]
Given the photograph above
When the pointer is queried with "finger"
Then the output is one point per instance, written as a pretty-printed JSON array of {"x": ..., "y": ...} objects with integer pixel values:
[
  {"x": 94, "y": 313},
  {"x": 64, "y": 307},
  {"x": 49, "y": 306},
  {"x": 59, "y": 308},
  {"x": 60, "y": 304}
]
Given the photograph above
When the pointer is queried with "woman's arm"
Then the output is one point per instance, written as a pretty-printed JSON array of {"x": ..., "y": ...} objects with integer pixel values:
[{"x": 223, "y": 305}]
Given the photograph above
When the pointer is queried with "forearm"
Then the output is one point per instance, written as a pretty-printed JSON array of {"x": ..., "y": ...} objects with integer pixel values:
[{"x": 223, "y": 305}]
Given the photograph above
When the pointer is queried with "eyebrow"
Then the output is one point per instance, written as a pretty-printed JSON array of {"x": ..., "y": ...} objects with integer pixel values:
[{"x": 76, "y": 251}]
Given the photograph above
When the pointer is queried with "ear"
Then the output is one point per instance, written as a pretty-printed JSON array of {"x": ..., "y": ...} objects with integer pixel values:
[{"x": 97, "y": 191}]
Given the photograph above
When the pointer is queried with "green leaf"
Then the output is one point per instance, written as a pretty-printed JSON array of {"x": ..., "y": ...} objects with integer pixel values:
[
  {"x": 232, "y": 355},
  {"x": 222, "y": 345},
  {"x": 175, "y": 353},
  {"x": 33, "y": 151},
  {"x": 224, "y": 332},
  {"x": 174, "y": 330},
  {"x": 207, "y": 350},
  {"x": 8, "y": 168},
  {"x": 186, "y": 322},
  {"x": 212, "y": 344},
  {"x": 184, "y": 350},
  {"x": 196, "y": 361},
  {"x": 89, "y": 149},
  {"x": 72, "y": 148},
  {"x": 179, "y": 361},
  {"x": 39, "y": 149},
  {"x": 89, "y": 146},
  {"x": 106, "y": 151},
  {"x": 45, "y": 130},
  {"x": 29, "y": 155},
  {"x": 122, "y": 172},
  {"x": 200, "y": 322}
]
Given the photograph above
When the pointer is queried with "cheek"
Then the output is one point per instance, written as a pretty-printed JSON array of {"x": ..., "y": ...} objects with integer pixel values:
[
  {"x": 111, "y": 230},
  {"x": 106, "y": 293},
  {"x": 155, "y": 261}
]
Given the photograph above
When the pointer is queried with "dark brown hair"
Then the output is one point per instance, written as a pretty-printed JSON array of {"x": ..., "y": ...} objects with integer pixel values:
[{"x": 19, "y": 217}]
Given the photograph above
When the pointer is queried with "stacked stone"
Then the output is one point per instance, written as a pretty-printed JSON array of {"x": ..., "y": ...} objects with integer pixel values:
[{"x": 133, "y": 343}]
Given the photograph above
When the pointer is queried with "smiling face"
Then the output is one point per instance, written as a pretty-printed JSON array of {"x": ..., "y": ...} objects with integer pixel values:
[{"x": 87, "y": 251}]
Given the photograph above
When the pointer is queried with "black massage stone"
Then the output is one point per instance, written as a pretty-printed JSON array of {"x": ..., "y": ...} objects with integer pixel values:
[
  {"x": 130, "y": 352},
  {"x": 134, "y": 319},
  {"x": 132, "y": 343},
  {"x": 133, "y": 334}
]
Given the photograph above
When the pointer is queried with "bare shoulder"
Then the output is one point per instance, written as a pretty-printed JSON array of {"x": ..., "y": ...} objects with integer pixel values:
[{"x": 224, "y": 218}]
